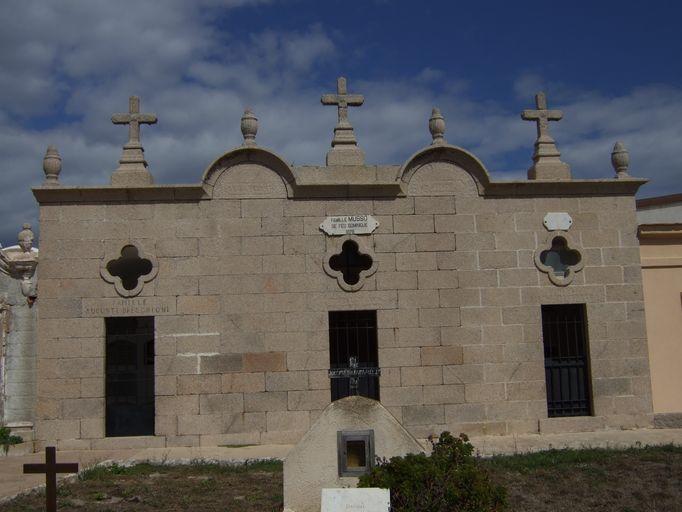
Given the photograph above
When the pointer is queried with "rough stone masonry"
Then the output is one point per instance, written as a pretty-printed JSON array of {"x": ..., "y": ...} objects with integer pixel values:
[{"x": 240, "y": 281}]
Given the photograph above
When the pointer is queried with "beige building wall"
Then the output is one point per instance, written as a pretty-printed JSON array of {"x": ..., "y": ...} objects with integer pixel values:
[
  {"x": 662, "y": 280},
  {"x": 242, "y": 342}
]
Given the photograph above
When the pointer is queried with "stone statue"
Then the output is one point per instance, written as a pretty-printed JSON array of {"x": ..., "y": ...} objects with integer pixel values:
[{"x": 20, "y": 262}]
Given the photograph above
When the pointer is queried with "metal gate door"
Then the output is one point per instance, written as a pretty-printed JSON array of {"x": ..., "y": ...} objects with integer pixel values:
[
  {"x": 353, "y": 354},
  {"x": 130, "y": 376},
  {"x": 564, "y": 332}
]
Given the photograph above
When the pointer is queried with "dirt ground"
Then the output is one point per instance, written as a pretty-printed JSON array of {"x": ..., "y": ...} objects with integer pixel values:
[{"x": 641, "y": 480}]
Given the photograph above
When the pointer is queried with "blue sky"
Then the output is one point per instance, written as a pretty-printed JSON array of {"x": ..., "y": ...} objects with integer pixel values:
[{"x": 65, "y": 66}]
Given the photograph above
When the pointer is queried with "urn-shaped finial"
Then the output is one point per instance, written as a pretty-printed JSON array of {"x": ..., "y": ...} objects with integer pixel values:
[
  {"x": 437, "y": 127},
  {"x": 620, "y": 159},
  {"x": 249, "y": 127},
  {"x": 52, "y": 166}
]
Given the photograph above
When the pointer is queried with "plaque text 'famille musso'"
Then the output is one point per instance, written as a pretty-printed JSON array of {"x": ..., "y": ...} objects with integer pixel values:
[{"x": 349, "y": 225}]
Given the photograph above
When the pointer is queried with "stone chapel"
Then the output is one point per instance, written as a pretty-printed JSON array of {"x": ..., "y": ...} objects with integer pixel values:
[{"x": 233, "y": 310}]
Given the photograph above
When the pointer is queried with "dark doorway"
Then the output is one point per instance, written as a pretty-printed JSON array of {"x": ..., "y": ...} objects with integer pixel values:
[
  {"x": 130, "y": 376},
  {"x": 567, "y": 373},
  {"x": 353, "y": 354}
]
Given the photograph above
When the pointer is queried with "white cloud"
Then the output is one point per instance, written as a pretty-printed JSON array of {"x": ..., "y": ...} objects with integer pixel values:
[{"x": 88, "y": 57}]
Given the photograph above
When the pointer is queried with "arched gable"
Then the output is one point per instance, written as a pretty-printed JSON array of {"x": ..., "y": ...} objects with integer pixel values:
[
  {"x": 452, "y": 155},
  {"x": 249, "y": 172}
]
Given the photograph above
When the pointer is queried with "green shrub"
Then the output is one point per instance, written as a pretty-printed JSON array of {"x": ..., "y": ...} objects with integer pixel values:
[
  {"x": 449, "y": 479},
  {"x": 7, "y": 439}
]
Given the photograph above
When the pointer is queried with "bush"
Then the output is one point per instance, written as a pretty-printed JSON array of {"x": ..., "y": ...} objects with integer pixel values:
[
  {"x": 7, "y": 439},
  {"x": 448, "y": 480}
]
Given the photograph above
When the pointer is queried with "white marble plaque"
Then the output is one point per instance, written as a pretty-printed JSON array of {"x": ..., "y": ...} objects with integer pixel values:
[
  {"x": 558, "y": 221},
  {"x": 138, "y": 306},
  {"x": 349, "y": 225},
  {"x": 356, "y": 500}
]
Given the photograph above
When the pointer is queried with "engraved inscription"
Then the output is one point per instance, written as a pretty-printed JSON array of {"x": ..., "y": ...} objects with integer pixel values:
[
  {"x": 139, "y": 306},
  {"x": 349, "y": 225},
  {"x": 356, "y": 500}
]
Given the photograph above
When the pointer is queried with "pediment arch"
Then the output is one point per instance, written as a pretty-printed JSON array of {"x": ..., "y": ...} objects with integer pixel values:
[
  {"x": 256, "y": 172},
  {"x": 448, "y": 154}
]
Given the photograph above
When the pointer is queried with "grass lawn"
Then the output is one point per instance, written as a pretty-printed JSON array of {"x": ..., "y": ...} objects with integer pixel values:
[
  {"x": 639, "y": 479},
  {"x": 634, "y": 480}
]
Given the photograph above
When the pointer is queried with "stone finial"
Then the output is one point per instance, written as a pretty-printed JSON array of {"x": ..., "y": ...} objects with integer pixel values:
[
  {"x": 52, "y": 166},
  {"x": 345, "y": 150},
  {"x": 437, "y": 127},
  {"x": 249, "y": 126},
  {"x": 620, "y": 159},
  {"x": 132, "y": 168},
  {"x": 25, "y": 238},
  {"x": 546, "y": 162}
]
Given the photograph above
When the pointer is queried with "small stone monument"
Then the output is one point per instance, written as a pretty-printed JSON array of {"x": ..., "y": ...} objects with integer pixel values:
[{"x": 341, "y": 446}]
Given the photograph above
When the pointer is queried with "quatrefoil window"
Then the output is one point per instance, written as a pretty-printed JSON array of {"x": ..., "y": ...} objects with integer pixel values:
[
  {"x": 350, "y": 264},
  {"x": 129, "y": 271},
  {"x": 129, "y": 267},
  {"x": 560, "y": 262}
]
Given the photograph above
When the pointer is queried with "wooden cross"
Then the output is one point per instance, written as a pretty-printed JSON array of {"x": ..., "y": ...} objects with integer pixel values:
[
  {"x": 51, "y": 468},
  {"x": 133, "y": 119},
  {"x": 542, "y": 116},
  {"x": 342, "y": 99}
]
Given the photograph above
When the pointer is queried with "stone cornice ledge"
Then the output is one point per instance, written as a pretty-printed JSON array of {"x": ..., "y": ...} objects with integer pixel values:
[
  {"x": 343, "y": 184},
  {"x": 564, "y": 188},
  {"x": 117, "y": 194}
]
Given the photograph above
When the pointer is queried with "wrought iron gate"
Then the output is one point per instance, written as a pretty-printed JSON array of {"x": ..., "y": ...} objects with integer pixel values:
[
  {"x": 567, "y": 373},
  {"x": 130, "y": 376},
  {"x": 353, "y": 354}
]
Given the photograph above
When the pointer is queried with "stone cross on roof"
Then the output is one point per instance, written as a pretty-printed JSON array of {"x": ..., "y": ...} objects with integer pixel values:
[
  {"x": 345, "y": 150},
  {"x": 132, "y": 169},
  {"x": 343, "y": 99},
  {"x": 542, "y": 116},
  {"x": 546, "y": 161}
]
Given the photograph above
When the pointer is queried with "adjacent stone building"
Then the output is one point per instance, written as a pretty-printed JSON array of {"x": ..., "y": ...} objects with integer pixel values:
[
  {"x": 660, "y": 237},
  {"x": 235, "y": 309}
]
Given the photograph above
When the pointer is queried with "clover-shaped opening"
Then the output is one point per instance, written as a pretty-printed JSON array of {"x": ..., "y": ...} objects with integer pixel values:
[
  {"x": 129, "y": 267},
  {"x": 559, "y": 257},
  {"x": 350, "y": 262}
]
